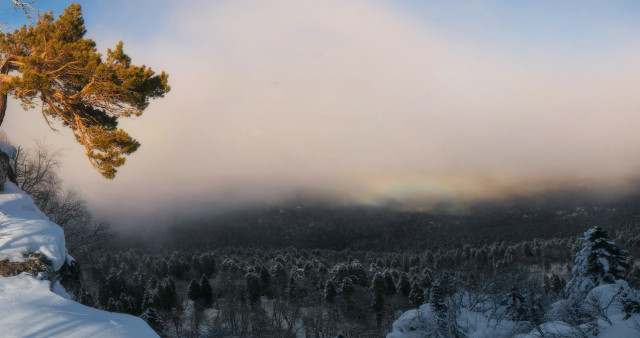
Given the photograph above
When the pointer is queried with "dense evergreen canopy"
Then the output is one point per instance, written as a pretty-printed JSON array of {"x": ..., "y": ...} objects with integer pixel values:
[{"x": 52, "y": 64}]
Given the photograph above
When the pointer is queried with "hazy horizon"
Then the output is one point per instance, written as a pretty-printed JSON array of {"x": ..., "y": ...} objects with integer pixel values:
[{"x": 367, "y": 102}]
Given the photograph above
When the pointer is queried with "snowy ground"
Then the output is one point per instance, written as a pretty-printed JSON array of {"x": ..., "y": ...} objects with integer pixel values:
[
  {"x": 27, "y": 307},
  {"x": 24, "y": 229},
  {"x": 420, "y": 322}
]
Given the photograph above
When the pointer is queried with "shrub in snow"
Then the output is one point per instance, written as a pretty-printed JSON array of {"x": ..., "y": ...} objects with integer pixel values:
[
  {"x": 630, "y": 300},
  {"x": 443, "y": 306},
  {"x": 514, "y": 305},
  {"x": 598, "y": 262},
  {"x": 154, "y": 319}
]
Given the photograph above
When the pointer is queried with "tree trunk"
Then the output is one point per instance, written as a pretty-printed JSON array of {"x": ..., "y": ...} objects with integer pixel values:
[{"x": 5, "y": 67}]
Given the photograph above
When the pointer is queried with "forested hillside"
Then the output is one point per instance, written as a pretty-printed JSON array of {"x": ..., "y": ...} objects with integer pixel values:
[{"x": 557, "y": 214}]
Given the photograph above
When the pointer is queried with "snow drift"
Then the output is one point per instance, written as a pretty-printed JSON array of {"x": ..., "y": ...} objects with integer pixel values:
[
  {"x": 604, "y": 301},
  {"x": 33, "y": 306}
]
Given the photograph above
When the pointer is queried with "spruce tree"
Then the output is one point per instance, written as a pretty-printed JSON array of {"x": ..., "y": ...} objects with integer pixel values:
[
  {"x": 293, "y": 289},
  {"x": 330, "y": 291},
  {"x": 378, "y": 290},
  {"x": 598, "y": 262},
  {"x": 207, "y": 264},
  {"x": 147, "y": 300},
  {"x": 253, "y": 288},
  {"x": 113, "y": 305},
  {"x": 196, "y": 267},
  {"x": 51, "y": 63},
  {"x": 389, "y": 284},
  {"x": 171, "y": 295},
  {"x": 265, "y": 281},
  {"x": 193, "y": 291},
  {"x": 404, "y": 285},
  {"x": 515, "y": 307},
  {"x": 346, "y": 288},
  {"x": 206, "y": 292},
  {"x": 358, "y": 273},
  {"x": 438, "y": 301},
  {"x": 416, "y": 295},
  {"x": 280, "y": 276},
  {"x": 153, "y": 318}
]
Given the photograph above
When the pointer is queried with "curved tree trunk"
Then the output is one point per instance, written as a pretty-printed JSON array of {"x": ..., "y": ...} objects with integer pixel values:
[{"x": 5, "y": 67}]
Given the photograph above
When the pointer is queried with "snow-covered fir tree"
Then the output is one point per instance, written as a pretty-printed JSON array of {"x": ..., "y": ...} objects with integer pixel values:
[
  {"x": 598, "y": 262},
  {"x": 153, "y": 318},
  {"x": 378, "y": 290}
]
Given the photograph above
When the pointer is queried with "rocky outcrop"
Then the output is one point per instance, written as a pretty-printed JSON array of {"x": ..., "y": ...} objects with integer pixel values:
[
  {"x": 70, "y": 277},
  {"x": 36, "y": 264}
]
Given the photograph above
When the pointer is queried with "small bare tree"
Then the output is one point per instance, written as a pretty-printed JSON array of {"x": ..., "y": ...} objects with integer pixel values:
[{"x": 37, "y": 175}]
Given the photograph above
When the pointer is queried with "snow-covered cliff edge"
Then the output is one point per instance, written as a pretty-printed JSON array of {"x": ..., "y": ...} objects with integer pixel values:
[{"x": 34, "y": 306}]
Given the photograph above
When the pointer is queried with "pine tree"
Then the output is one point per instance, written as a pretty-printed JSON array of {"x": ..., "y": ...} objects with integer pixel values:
[
  {"x": 206, "y": 292},
  {"x": 598, "y": 262},
  {"x": 63, "y": 71}
]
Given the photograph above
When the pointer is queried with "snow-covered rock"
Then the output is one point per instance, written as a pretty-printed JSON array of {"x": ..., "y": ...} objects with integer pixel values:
[
  {"x": 24, "y": 229},
  {"x": 419, "y": 323},
  {"x": 8, "y": 149},
  {"x": 29, "y": 309},
  {"x": 29, "y": 305},
  {"x": 603, "y": 303}
]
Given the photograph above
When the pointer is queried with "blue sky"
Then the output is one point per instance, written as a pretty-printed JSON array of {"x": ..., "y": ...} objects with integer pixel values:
[
  {"x": 531, "y": 24},
  {"x": 527, "y": 24},
  {"x": 522, "y": 27}
]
